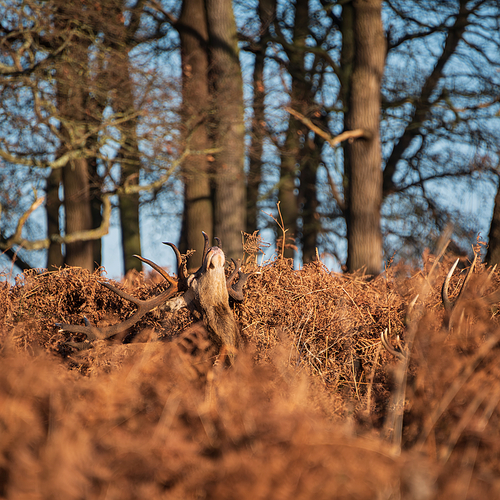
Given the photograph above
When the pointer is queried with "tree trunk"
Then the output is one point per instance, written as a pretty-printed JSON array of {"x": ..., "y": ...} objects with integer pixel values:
[
  {"x": 294, "y": 157},
  {"x": 229, "y": 131},
  {"x": 363, "y": 156},
  {"x": 54, "y": 255},
  {"x": 77, "y": 213},
  {"x": 311, "y": 223},
  {"x": 71, "y": 97},
  {"x": 116, "y": 75},
  {"x": 287, "y": 190},
  {"x": 95, "y": 205},
  {"x": 75, "y": 176},
  {"x": 198, "y": 212},
  {"x": 129, "y": 205},
  {"x": 309, "y": 150},
  {"x": 493, "y": 255},
  {"x": 267, "y": 13},
  {"x": 256, "y": 147},
  {"x": 97, "y": 101},
  {"x": 130, "y": 163}
]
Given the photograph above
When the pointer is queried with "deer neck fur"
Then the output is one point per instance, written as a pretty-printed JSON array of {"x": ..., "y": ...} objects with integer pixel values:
[{"x": 212, "y": 300}]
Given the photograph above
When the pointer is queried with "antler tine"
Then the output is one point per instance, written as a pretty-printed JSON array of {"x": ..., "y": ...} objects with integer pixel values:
[
  {"x": 409, "y": 312},
  {"x": 389, "y": 348},
  {"x": 205, "y": 246},
  {"x": 444, "y": 290},
  {"x": 218, "y": 242},
  {"x": 236, "y": 290},
  {"x": 493, "y": 269},
  {"x": 157, "y": 268},
  {"x": 467, "y": 278},
  {"x": 182, "y": 273},
  {"x": 236, "y": 270},
  {"x": 448, "y": 304}
]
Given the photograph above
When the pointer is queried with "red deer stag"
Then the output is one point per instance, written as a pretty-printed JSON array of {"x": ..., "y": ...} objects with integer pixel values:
[{"x": 206, "y": 291}]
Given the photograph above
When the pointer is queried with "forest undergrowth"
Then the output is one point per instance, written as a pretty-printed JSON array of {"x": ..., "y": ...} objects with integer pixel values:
[{"x": 313, "y": 407}]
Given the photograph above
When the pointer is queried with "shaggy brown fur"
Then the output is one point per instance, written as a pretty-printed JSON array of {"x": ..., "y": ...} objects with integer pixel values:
[{"x": 212, "y": 301}]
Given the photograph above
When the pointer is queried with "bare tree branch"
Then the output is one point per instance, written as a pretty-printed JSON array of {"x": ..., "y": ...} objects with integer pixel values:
[
  {"x": 424, "y": 103},
  {"x": 335, "y": 192},
  {"x": 24, "y": 218},
  {"x": 128, "y": 188},
  {"x": 333, "y": 141},
  {"x": 92, "y": 234}
]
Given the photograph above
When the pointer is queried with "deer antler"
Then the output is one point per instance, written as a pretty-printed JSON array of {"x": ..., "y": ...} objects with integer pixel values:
[
  {"x": 143, "y": 306},
  {"x": 448, "y": 304},
  {"x": 395, "y": 351},
  {"x": 399, "y": 351},
  {"x": 206, "y": 291}
]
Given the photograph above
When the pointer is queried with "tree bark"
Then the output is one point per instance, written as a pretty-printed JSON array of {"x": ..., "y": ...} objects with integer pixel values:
[
  {"x": 130, "y": 163},
  {"x": 493, "y": 254},
  {"x": 75, "y": 175},
  {"x": 77, "y": 213},
  {"x": 363, "y": 155},
  {"x": 198, "y": 213},
  {"x": 72, "y": 70},
  {"x": 229, "y": 127},
  {"x": 54, "y": 255},
  {"x": 95, "y": 203},
  {"x": 256, "y": 147},
  {"x": 129, "y": 203},
  {"x": 308, "y": 148},
  {"x": 294, "y": 157},
  {"x": 287, "y": 191},
  {"x": 311, "y": 223},
  {"x": 266, "y": 10},
  {"x": 119, "y": 36}
]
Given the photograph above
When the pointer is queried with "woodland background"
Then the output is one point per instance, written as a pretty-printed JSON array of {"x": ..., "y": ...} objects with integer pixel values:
[{"x": 370, "y": 122}]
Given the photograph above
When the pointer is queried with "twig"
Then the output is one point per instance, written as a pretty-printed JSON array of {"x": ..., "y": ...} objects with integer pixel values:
[
  {"x": 24, "y": 217},
  {"x": 281, "y": 225},
  {"x": 336, "y": 195},
  {"x": 333, "y": 141}
]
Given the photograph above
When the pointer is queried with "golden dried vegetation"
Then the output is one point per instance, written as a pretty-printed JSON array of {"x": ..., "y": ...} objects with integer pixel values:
[{"x": 309, "y": 409}]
